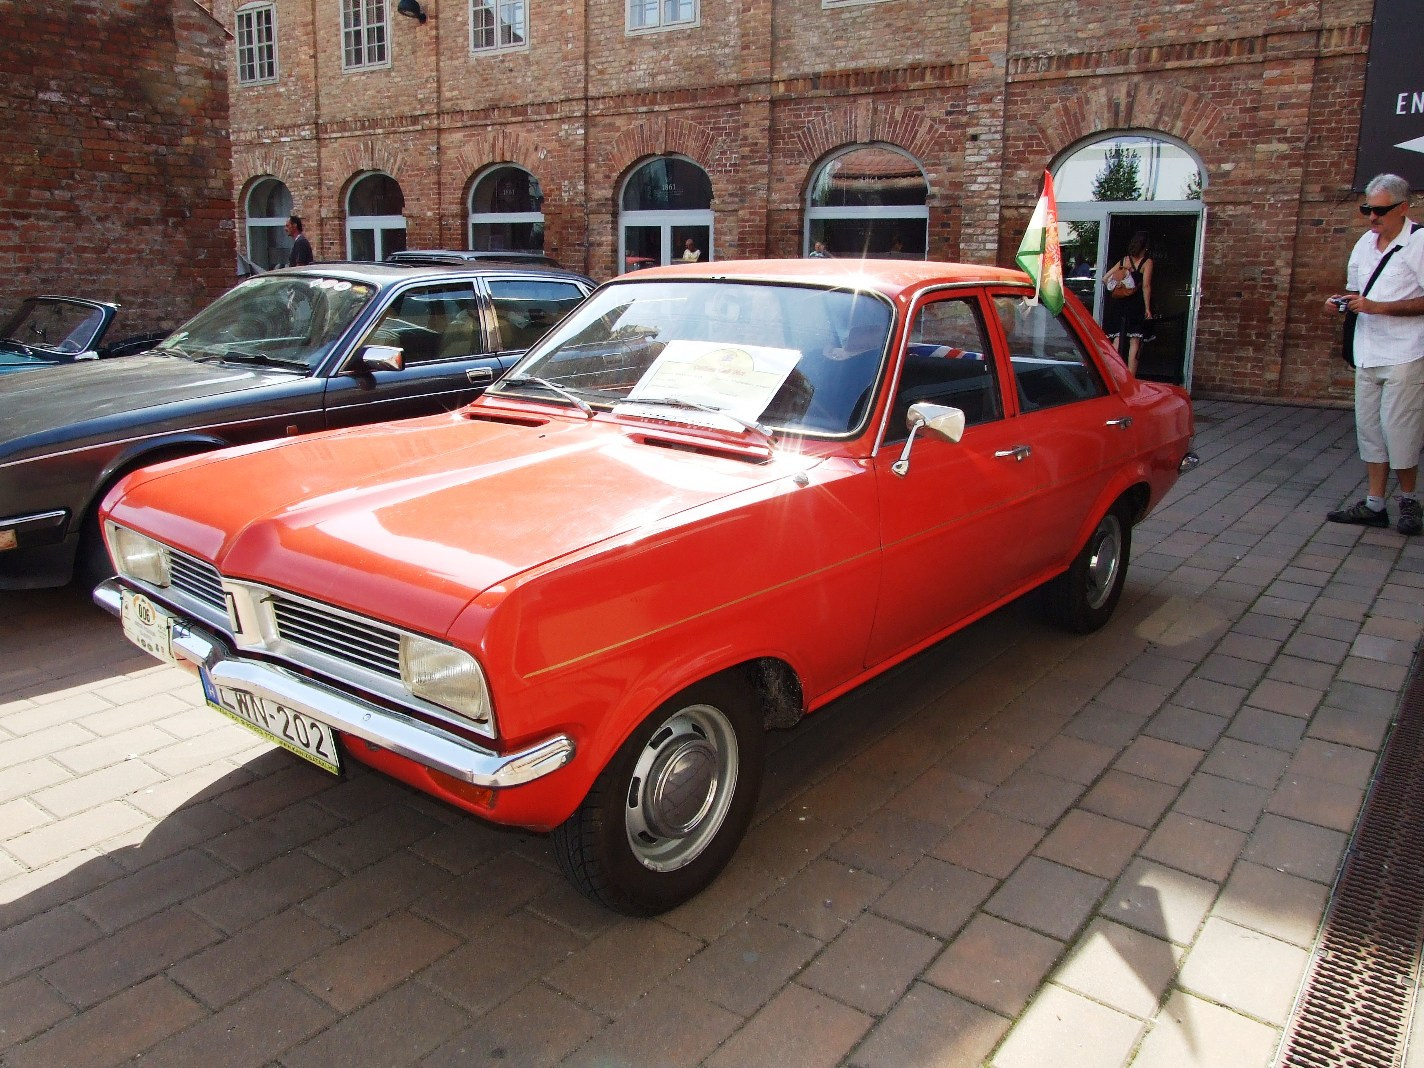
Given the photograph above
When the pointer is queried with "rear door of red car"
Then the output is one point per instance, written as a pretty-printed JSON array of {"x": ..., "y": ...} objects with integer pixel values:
[
  {"x": 952, "y": 526},
  {"x": 1069, "y": 415}
]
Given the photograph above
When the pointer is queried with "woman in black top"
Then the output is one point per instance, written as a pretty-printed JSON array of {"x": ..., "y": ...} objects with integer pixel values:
[{"x": 1131, "y": 316}]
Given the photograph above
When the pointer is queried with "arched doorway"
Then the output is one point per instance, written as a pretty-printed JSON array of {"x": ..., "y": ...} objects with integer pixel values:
[
  {"x": 666, "y": 203},
  {"x": 869, "y": 201},
  {"x": 267, "y": 207},
  {"x": 375, "y": 218},
  {"x": 507, "y": 211},
  {"x": 1110, "y": 188}
]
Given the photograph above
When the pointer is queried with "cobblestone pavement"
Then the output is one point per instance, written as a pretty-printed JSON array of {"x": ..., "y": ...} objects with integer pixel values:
[{"x": 1022, "y": 848}]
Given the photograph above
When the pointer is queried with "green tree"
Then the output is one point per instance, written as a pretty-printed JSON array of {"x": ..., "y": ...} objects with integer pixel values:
[{"x": 1118, "y": 180}]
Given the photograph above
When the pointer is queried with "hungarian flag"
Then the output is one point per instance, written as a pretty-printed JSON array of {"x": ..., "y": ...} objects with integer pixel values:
[{"x": 1039, "y": 254}]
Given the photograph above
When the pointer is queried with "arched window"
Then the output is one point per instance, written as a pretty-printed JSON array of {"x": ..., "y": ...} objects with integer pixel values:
[
  {"x": 268, "y": 205},
  {"x": 375, "y": 218},
  {"x": 666, "y": 214},
  {"x": 507, "y": 212},
  {"x": 869, "y": 201},
  {"x": 1114, "y": 186}
]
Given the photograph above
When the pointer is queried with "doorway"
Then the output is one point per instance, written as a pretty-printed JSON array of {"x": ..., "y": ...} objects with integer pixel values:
[{"x": 1174, "y": 241}]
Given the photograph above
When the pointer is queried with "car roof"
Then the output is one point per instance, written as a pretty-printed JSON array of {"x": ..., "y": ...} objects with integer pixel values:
[
  {"x": 383, "y": 274},
  {"x": 884, "y": 276}
]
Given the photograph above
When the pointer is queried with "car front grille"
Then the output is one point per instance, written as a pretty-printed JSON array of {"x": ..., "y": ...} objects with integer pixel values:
[
  {"x": 197, "y": 578},
  {"x": 355, "y": 641}
]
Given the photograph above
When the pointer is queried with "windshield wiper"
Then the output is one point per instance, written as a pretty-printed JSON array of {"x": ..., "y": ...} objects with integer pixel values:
[
  {"x": 229, "y": 356},
  {"x": 683, "y": 402},
  {"x": 20, "y": 345},
  {"x": 578, "y": 402}
]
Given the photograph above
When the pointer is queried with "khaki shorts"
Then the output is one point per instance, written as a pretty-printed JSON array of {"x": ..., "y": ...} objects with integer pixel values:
[{"x": 1389, "y": 413}]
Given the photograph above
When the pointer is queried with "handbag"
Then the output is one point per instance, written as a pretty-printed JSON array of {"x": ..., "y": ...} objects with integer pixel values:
[
  {"x": 1119, "y": 282},
  {"x": 1347, "y": 343}
]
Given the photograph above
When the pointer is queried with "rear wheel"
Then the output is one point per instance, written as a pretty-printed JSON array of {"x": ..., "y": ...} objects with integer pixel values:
[
  {"x": 668, "y": 811},
  {"x": 1083, "y": 597}
]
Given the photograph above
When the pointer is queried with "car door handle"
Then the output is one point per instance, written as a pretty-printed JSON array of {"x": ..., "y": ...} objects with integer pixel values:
[
  {"x": 479, "y": 374},
  {"x": 1018, "y": 452},
  {"x": 1124, "y": 422}
]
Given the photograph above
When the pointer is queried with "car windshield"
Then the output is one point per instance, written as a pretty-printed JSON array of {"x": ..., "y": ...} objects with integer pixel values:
[
  {"x": 785, "y": 357},
  {"x": 53, "y": 326},
  {"x": 279, "y": 320}
]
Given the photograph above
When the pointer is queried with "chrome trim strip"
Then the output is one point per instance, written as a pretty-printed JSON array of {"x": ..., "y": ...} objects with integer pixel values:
[{"x": 404, "y": 735}]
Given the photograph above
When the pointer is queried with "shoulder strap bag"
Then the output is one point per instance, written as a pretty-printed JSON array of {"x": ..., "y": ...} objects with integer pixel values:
[{"x": 1347, "y": 345}]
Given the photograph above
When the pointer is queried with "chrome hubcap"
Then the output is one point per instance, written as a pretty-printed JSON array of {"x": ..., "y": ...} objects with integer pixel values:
[
  {"x": 682, "y": 787},
  {"x": 1105, "y": 560}
]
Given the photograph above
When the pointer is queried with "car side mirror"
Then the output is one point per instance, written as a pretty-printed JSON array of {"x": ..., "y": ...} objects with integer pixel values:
[
  {"x": 937, "y": 419},
  {"x": 380, "y": 358}
]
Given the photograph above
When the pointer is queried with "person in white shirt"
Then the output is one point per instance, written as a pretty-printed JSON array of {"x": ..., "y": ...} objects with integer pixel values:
[{"x": 1388, "y": 352}]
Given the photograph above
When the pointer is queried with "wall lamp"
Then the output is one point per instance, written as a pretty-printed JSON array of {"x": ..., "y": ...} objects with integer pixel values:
[{"x": 411, "y": 8}]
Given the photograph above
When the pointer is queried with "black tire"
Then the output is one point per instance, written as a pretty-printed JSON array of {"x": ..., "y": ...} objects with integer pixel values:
[
  {"x": 1083, "y": 598},
  {"x": 667, "y": 813}
]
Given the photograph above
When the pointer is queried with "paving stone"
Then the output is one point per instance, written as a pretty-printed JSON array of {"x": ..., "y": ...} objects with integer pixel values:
[
  {"x": 1360, "y": 728},
  {"x": 669, "y": 1027},
  {"x": 1333, "y": 762},
  {"x": 1190, "y": 1031},
  {"x": 1224, "y": 801},
  {"x": 823, "y": 898},
  {"x": 996, "y": 964},
  {"x": 1047, "y": 897},
  {"x": 1120, "y": 967},
  {"x": 744, "y": 968},
  {"x": 1067, "y": 1030},
  {"x": 533, "y": 1029},
  {"x": 620, "y": 966},
  {"x": 1129, "y": 798},
  {"x": 1092, "y": 843},
  {"x": 1297, "y": 848},
  {"x": 1195, "y": 846},
  {"x": 245, "y": 961},
  {"x": 935, "y": 896},
  {"x": 506, "y": 957},
  {"x": 797, "y": 1029},
  {"x": 1073, "y": 759},
  {"x": 1244, "y": 970},
  {"x": 1033, "y": 797},
  {"x": 28, "y": 1007},
  {"x": 1160, "y": 901},
  {"x": 1165, "y": 762},
  {"x": 931, "y": 1028},
  {"x": 990, "y": 843},
  {"x": 1186, "y": 727},
  {"x": 255, "y": 1030},
  {"x": 400, "y": 1027},
  {"x": 1257, "y": 765},
  {"x": 871, "y": 964},
  {"x": 373, "y": 962},
  {"x": 1286, "y": 907},
  {"x": 1317, "y": 801},
  {"x": 113, "y": 1032}
]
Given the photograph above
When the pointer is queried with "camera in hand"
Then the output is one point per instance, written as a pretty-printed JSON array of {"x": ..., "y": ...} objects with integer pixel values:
[{"x": 1342, "y": 304}]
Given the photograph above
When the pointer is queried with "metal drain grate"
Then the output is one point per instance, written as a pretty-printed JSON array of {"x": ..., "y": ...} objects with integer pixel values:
[{"x": 1355, "y": 1006}]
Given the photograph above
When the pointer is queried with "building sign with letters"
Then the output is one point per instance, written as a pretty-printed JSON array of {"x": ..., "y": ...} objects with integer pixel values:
[{"x": 1392, "y": 124}]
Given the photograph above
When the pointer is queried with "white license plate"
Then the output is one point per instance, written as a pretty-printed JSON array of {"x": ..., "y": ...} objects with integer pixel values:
[
  {"x": 276, "y": 722},
  {"x": 147, "y": 626}
]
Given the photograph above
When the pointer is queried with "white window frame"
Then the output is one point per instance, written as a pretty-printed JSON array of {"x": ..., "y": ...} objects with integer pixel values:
[
  {"x": 511, "y": 18},
  {"x": 655, "y": 16},
  {"x": 260, "y": 53},
  {"x": 495, "y": 218},
  {"x": 366, "y": 29}
]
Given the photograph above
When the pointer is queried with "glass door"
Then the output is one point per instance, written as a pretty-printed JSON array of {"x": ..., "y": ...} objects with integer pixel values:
[{"x": 1174, "y": 241}]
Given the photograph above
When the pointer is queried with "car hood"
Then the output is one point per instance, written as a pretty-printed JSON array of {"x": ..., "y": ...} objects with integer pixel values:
[
  {"x": 414, "y": 519},
  {"x": 52, "y": 407}
]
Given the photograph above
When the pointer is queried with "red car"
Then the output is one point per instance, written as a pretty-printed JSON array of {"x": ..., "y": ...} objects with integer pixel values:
[{"x": 712, "y": 500}]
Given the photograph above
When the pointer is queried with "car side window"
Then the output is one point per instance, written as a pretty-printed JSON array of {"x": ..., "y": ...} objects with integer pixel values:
[
  {"x": 430, "y": 323},
  {"x": 948, "y": 361},
  {"x": 528, "y": 308},
  {"x": 1051, "y": 365}
]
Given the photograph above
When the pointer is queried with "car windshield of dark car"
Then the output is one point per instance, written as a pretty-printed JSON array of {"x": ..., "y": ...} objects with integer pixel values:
[
  {"x": 787, "y": 357},
  {"x": 47, "y": 327},
  {"x": 278, "y": 320}
]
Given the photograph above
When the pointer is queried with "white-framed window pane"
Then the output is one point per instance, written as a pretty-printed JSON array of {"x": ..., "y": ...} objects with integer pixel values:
[
  {"x": 642, "y": 14},
  {"x": 482, "y": 19},
  {"x": 363, "y": 33},
  {"x": 676, "y": 11},
  {"x": 498, "y": 24},
  {"x": 512, "y": 23},
  {"x": 257, "y": 45}
]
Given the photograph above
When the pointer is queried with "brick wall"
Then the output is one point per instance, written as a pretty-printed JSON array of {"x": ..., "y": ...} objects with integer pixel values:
[
  {"x": 984, "y": 95},
  {"x": 118, "y": 180}
]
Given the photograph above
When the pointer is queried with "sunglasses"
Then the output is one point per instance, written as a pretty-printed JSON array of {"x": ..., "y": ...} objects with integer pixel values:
[{"x": 1379, "y": 209}]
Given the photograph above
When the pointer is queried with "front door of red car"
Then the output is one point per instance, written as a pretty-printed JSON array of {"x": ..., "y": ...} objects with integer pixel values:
[
  {"x": 1076, "y": 426},
  {"x": 951, "y": 526}
]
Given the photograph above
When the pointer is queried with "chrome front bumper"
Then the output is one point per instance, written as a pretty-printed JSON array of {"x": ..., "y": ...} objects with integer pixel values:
[{"x": 404, "y": 735}]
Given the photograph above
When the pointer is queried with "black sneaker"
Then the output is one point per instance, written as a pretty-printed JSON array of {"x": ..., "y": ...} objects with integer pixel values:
[
  {"x": 1409, "y": 516},
  {"x": 1364, "y": 515}
]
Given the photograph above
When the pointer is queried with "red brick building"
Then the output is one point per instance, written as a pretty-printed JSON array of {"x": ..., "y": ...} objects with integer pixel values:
[
  {"x": 612, "y": 132},
  {"x": 115, "y": 156}
]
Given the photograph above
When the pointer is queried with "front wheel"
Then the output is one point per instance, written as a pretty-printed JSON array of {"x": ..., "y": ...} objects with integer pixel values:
[
  {"x": 1083, "y": 597},
  {"x": 669, "y": 810}
]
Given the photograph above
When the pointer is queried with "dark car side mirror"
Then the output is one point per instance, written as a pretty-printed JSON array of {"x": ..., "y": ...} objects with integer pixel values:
[
  {"x": 380, "y": 358},
  {"x": 937, "y": 419}
]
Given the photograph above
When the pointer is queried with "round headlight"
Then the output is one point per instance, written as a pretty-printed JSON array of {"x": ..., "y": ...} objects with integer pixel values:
[
  {"x": 447, "y": 676},
  {"x": 138, "y": 556}
]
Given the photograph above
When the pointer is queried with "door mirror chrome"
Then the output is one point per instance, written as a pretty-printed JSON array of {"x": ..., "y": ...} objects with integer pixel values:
[
  {"x": 936, "y": 419},
  {"x": 380, "y": 358}
]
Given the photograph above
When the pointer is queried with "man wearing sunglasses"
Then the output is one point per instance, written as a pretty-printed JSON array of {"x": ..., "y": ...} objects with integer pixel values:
[{"x": 1385, "y": 281}]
